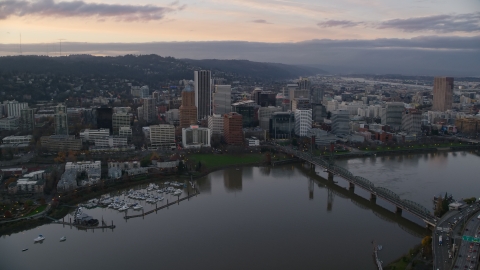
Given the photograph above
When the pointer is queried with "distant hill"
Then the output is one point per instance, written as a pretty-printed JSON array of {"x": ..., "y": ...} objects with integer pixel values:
[
  {"x": 256, "y": 69},
  {"x": 150, "y": 67}
]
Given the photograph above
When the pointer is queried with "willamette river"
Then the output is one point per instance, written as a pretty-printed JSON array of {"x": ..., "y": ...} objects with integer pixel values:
[{"x": 283, "y": 217}]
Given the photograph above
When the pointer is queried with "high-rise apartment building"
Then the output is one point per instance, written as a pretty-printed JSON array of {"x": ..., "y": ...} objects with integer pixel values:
[
  {"x": 232, "y": 128},
  {"x": 27, "y": 119},
  {"x": 144, "y": 91},
  {"x": 61, "y": 120},
  {"x": 442, "y": 93},
  {"x": 222, "y": 99},
  {"x": 303, "y": 122},
  {"x": 149, "y": 110},
  {"x": 203, "y": 93},
  {"x": 13, "y": 107},
  {"x": 195, "y": 137},
  {"x": 188, "y": 110},
  {"x": 162, "y": 136}
]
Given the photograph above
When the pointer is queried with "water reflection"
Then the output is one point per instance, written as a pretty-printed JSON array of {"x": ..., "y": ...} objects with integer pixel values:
[
  {"x": 232, "y": 180},
  {"x": 204, "y": 184}
]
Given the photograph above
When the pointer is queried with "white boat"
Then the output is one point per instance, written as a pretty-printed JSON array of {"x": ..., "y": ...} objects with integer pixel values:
[
  {"x": 177, "y": 192},
  {"x": 123, "y": 208},
  {"x": 40, "y": 238},
  {"x": 137, "y": 207},
  {"x": 63, "y": 238}
]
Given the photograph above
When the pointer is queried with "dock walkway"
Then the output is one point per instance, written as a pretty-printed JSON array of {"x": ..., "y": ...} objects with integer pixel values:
[{"x": 163, "y": 206}]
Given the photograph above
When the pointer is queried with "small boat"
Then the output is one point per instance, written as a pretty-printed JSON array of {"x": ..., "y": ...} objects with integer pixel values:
[
  {"x": 39, "y": 238},
  {"x": 123, "y": 208},
  {"x": 177, "y": 192},
  {"x": 25, "y": 249},
  {"x": 379, "y": 247},
  {"x": 63, "y": 238},
  {"x": 137, "y": 207}
]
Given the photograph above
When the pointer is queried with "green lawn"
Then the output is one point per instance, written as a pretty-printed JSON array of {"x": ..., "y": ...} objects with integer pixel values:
[{"x": 219, "y": 160}]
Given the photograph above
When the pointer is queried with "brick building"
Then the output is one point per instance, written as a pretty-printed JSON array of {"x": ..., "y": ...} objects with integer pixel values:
[{"x": 232, "y": 128}]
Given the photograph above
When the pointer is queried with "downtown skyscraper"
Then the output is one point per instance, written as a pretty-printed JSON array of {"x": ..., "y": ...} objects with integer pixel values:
[
  {"x": 203, "y": 93},
  {"x": 442, "y": 94}
]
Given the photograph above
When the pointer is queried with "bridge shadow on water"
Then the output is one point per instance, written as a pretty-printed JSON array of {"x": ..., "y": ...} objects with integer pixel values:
[{"x": 380, "y": 208}]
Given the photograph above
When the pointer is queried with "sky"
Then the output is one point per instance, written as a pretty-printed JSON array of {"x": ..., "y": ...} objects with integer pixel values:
[{"x": 265, "y": 22}]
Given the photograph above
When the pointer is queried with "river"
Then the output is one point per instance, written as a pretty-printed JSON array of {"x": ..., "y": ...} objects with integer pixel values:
[{"x": 285, "y": 217}]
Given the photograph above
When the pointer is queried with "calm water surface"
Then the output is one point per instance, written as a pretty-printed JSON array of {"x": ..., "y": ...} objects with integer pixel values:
[{"x": 257, "y": 218}]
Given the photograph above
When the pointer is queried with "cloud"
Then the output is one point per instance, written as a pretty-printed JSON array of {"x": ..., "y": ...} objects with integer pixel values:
[
  {"x": 49, "y": 8},
  {"x": 338, "y": 23},
  {"x": 261, "y": 21},
  {"x": 469, "y": 22}
]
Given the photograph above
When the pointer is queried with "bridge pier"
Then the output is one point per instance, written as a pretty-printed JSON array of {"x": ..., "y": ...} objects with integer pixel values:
[
  {"x": 398, "y": 210},
  {"x": 373, "y": 197},
  {"x": 351, "y": 186},
  {"x": 330, "y": 176}
]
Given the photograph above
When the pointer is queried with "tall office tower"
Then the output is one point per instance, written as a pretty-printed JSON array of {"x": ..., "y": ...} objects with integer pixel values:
[
  {"x": 203, "y": 93},
  {"x": 144, "y": 91},
  {"x": 104, "y": 118},
  {"x": 61, "y": 120},
  {"x": 317, "y": 94},
  {"x": 442, "y": 93},
  {"x": 188, "y": 110},
  {"x": 13, "y": 107},
  {"x": 232, "y": 128},
  {"x": 264, "y": 115},
  {"x": 27, "y": 119},
  {"x": 256, "y": 94},
  {"x": 340, "y": 122},
  {"x": 149, "y": 110},
  {"x": 303, "y": 84},
  {"x": 222, "y": 99},
  {"x": 303, "y": 122},
  {"x": 392, "y": 114},
  {"x": 282, "y": 125}
]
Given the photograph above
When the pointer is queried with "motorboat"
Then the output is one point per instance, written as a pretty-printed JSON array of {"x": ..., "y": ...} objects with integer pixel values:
[
  {"x": 123, "y": 208},
  {"x": 177, "y": 192},
  {"x": 63, "y": 238},
  {"x": 25, "y": 249},
  {"x": 40, "y": 238},
  {"x": 137, "y": 207}
]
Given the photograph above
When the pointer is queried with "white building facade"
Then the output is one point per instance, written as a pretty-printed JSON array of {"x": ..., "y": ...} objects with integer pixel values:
[{"x": 303, "y": 122}]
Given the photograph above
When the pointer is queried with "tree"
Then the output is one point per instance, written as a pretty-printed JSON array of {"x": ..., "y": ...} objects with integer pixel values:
[
  {"x": 199, "y": 166},
  {"x": 181, "y": 167}
]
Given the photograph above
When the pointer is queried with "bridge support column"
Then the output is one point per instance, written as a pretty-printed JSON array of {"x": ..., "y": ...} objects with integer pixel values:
[
  {"x": 330, "y": 176},
  {"x": 398, "y": 210},
  {"x": 373, "y": 197},
  {"x": 351, "y": 186}
]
